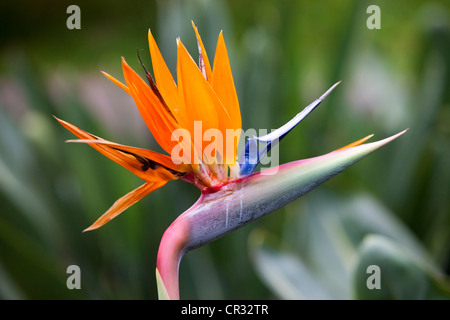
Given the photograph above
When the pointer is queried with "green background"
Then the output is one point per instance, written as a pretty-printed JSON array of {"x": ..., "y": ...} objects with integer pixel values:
[{"x": 392, "y": 209}]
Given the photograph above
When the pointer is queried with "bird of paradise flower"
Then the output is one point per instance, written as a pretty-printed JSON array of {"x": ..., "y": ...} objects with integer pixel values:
[{"x": 232, "y": 194}]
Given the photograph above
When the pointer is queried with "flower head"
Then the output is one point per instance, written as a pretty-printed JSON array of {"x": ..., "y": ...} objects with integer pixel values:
[
  {"x": 197, "y": 122},
  {"x": 202, "y": 102}
]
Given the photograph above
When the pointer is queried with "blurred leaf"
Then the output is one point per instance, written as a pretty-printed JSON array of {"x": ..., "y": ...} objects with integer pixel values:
[
  {"x": 320, "y": 249},
  {"x": 284, "y": 272},
  {"x": 401, "y": 275},
  {"x": 362, "y": 214}
]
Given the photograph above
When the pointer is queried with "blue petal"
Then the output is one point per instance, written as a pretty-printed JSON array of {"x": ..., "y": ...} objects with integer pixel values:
[{"x": 251, "y": 155}]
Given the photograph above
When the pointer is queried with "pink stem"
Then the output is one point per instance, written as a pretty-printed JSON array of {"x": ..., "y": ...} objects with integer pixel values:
[{"x": 171, "y": 249}]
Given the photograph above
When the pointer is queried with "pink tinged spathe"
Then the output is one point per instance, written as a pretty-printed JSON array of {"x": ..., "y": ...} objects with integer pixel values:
[{"x": 231, "y": 206}]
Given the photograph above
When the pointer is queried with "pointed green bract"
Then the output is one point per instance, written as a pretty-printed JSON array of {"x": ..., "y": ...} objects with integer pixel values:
[{"x": 251, "y": 197}]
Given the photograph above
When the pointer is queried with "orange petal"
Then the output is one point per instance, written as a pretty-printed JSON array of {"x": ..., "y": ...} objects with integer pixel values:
[
  {"x": 125, "y": 202},
  {"x": 200, "y": 100},
  {"x": 142, "y": 159},
  {"x": 164, "y": 81},
  {"x": 206, "y": 66},
  {"x": 146, "y": 164},
  {"x": 178, "y": 115},
  {"x": 158, "y": 119},
  {"x": 117, "y": 82},
  {"x": 356, "y": 143},
  {"x": 223, "y": 85}
]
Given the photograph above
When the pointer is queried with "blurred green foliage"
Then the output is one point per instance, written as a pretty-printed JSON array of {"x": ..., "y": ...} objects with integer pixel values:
[{"x": 391, "y": 209}]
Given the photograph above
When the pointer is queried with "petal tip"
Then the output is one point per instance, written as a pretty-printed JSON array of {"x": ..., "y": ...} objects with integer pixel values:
[
  {"x": 93, "y": 226},
  {"x": 380, "y": 143},
  {"x": 395, "y": 136}
]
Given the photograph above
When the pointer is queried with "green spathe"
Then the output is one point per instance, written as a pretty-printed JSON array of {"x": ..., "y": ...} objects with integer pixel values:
[{"x": 254, "y": 196}]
